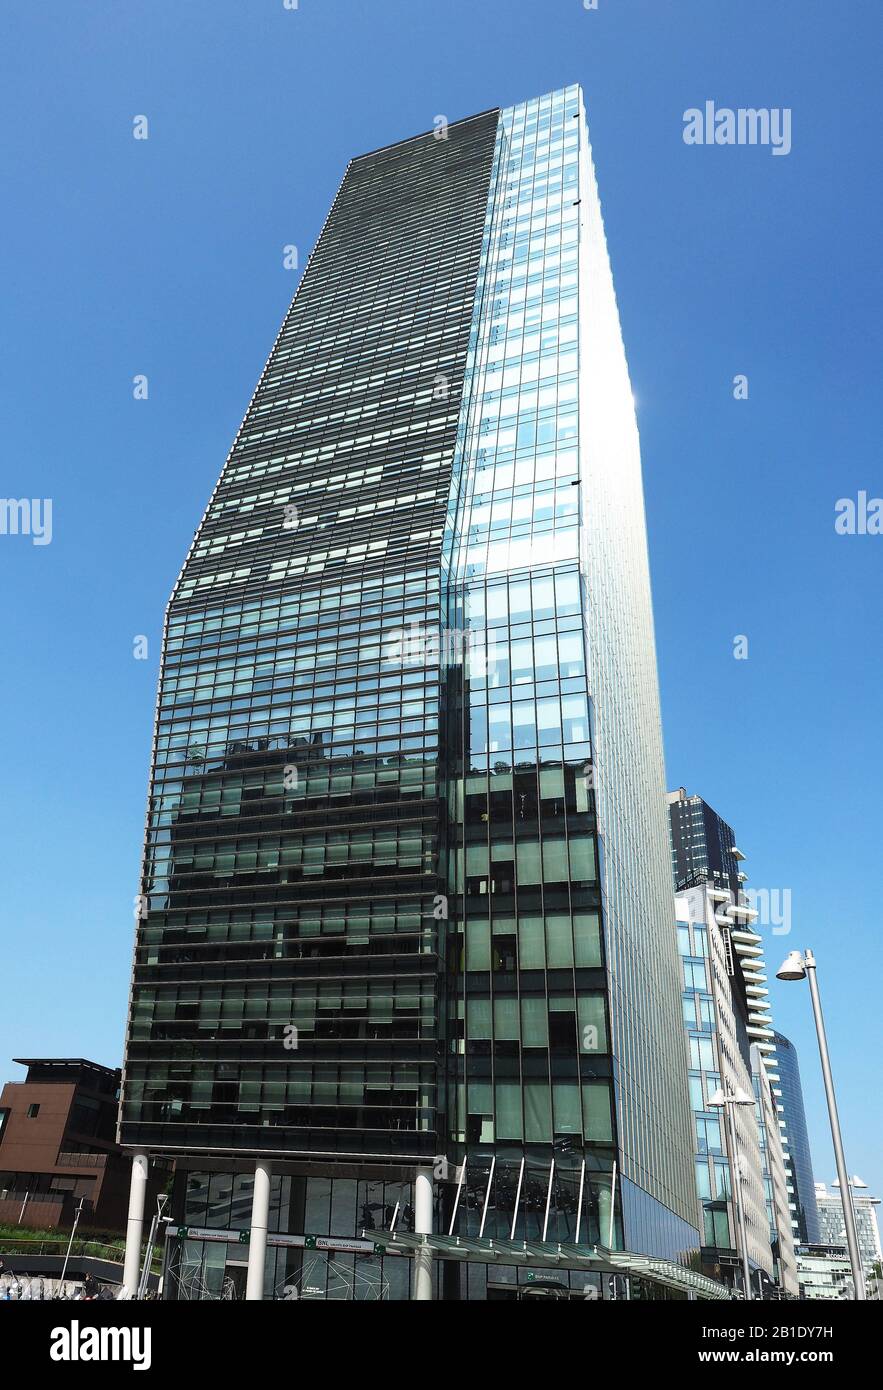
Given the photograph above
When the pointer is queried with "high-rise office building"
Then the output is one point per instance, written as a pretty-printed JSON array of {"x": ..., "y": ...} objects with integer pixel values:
[
  {"x": 719, "y": 1056},
  {"x": 404, "y": 967},
  {"x": 829, "y": 1203},
  {"x": 776, "y": 1173},
  {"x": 703, "y": 846},
  {"x": 789, "y": 1094},
  {"x": 730, "y": 1048}
]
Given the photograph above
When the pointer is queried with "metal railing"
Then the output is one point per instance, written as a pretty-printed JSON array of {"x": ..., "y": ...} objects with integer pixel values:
[{"x": 38, "y": 1245}]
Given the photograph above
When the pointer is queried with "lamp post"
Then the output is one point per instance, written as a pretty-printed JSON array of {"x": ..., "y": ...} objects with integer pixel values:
[
  {"x": 161, "y": 1200},
  {"x": 803, "y": 967},
  {"x": 727, "y": 1101},
  {"x": 70, "y": 1242}
]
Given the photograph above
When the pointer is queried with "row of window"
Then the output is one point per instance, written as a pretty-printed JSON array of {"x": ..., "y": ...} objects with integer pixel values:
[
  {"x": 378, "y": 845},
  {"x": 230, "y": 1006},
  {"x": 538, "y": 1112},
  {"x": 359, "y": 920},
  {"x": 376, "y": 772},
  {"x": 554, "y": 860},
  {"x": 553, "y": 941},
  {"x": 240, "y": 616}
]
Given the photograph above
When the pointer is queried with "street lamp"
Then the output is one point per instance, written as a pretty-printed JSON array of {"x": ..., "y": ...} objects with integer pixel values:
[
  {"x": 727, "y": 1101},
  {"x": 800, "y": 967},
  {"x": 161, "y": 1200},
  {"x": 77, "y": 1216}
]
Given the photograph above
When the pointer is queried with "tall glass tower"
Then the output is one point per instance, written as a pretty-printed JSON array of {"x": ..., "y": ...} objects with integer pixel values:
[
  {"x": 404, "y": 960},
  {"x": 790, "y": 1095}
]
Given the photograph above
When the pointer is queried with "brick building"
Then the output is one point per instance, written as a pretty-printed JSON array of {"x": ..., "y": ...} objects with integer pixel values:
[{"x": 57, "y": 1145}]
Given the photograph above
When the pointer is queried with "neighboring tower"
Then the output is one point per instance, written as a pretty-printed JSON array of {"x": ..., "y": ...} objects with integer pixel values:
[
  {"x": 404, "y": 955},
  {"x": 719, "y": 1055},
  {"x": 831, "y": 1224},
  {"x": 703, "y": 846},
  {"x": 776, "y": 1176},
  {"x": 789, "y": 1095},
  {"x": 730, "y": 1043}
]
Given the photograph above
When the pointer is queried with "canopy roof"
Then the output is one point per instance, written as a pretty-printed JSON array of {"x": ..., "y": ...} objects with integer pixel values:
[{"x": 537, "y": 1254}]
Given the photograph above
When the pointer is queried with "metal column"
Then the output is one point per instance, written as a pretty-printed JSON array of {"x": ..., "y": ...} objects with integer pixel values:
[
  {"x": 135, "y": 1223},
  {"x": 423, "y": 1227},
  {"x": 257, "y": 1245}
]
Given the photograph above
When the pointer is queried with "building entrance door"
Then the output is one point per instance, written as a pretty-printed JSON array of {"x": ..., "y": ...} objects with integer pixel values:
[{"x": 235, "y": 1275}]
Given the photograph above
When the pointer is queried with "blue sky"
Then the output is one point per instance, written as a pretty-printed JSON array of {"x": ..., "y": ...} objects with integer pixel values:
[{"x": 164, "y": 257}]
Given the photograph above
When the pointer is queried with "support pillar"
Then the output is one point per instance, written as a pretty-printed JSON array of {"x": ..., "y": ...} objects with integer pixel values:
[
  {"x": 423, "y": 1227},
  {"x": 257, "y": 1244},
  {"x": 135, "y": 1223}
]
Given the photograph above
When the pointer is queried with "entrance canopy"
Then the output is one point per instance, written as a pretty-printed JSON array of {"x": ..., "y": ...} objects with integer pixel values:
[{"x": 537, "y": 1254}]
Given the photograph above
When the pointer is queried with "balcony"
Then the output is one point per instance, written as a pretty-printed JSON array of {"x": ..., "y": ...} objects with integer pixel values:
[{"x": 747, "y": 914}]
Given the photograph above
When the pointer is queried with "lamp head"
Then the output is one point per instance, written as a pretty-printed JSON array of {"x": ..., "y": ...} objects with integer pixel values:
[{"x": 793, "y": 967}]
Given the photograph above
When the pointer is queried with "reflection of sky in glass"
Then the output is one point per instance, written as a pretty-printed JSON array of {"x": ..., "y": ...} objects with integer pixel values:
[
  {"x": 519, "y": 457},
  {"x": 547, "y": 547}
]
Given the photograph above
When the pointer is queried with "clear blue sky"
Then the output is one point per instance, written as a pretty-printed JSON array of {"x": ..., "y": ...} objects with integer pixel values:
[{"x": 164, "y": 257}]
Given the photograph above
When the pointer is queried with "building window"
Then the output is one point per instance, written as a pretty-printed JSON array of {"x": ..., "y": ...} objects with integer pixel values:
[{"x": 33, "y": 1112}]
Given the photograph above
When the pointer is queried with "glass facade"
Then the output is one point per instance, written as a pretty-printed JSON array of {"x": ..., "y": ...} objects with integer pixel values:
[
  {"x": 215, "y": 1207},
  {"x": 406, "y": 898},
  {"x": 789, "y": 1095},
  {"x": 529, "y": 1072},
  {"x": 551, "y": 943},
  {"x": 713, "y": 1186},
  {"x": 701, "y": 844},
  {"x": 776, "y": 1177},
  {"x": 286, "y": 977},
  {"x": 719, "y": 1057},
  {"x": 832, "y": 1226}
]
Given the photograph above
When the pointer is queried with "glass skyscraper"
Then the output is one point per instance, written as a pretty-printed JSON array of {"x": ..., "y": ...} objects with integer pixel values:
[
  {"x": 404, "y": 958},
  {"x": 789, "y": 1094}
]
